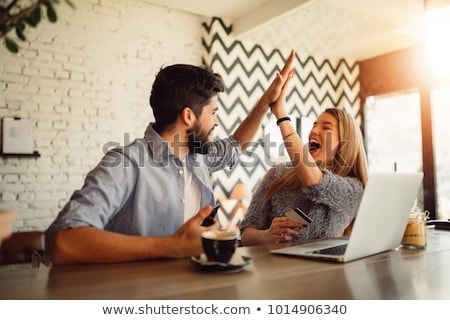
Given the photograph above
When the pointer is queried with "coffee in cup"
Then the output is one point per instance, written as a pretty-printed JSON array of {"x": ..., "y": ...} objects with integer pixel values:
[{"x": 219, "y": 245}]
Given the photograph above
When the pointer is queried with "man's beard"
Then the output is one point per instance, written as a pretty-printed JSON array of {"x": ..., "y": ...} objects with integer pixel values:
[{"x": 198, "y": 142}]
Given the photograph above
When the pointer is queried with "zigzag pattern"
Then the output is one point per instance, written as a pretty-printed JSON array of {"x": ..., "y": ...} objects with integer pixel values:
[
  {"x": 247, "y": 69},
  {"x": 322, "y": 29}
]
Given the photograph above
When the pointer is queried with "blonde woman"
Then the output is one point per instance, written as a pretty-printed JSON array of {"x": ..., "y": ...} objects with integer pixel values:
[{"x": 325, "y": 179}]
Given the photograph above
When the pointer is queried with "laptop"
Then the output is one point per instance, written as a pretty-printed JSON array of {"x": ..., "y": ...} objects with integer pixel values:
[{"x": 379, "y": 225}]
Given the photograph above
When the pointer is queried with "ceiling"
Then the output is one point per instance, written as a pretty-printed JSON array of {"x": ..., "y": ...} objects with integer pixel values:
[{"x": 358, "y": 29}]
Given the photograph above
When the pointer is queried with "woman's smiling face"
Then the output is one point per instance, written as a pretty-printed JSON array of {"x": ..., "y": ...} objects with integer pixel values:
[{"x": 324, "y": 139}]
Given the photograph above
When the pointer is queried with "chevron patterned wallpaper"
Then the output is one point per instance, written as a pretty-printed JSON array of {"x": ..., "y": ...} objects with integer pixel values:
[{"x": 247, "y": 69}]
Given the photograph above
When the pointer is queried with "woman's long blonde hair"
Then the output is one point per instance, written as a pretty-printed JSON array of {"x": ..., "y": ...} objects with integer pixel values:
[{"x": 349, "y": 160}]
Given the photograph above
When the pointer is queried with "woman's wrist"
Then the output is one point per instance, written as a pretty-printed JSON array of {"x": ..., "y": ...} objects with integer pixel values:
[
  {"x": 280, "y": 115},
  {"x": 282, "y": 119},
  {"x": 266, "y": 236}
]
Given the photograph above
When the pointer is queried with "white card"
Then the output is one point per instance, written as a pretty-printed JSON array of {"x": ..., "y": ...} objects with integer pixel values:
[{"x": 298, "y": 216}]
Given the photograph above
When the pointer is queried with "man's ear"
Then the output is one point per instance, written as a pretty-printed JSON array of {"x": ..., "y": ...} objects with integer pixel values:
[{"x": 188, "y": 116}]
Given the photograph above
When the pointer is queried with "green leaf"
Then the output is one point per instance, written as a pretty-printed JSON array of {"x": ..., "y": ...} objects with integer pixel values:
[
  {"x": 21, "y": 25},
  {"x": 34, "y": 18},
  {"x": 20, "y": 34},
  {"x": 19, "y": 31},
  {"x": 11, "y": 45},
  {"x": 51, "y": 13}
]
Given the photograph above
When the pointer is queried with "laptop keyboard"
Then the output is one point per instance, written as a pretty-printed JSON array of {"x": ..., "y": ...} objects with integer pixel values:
[{"x": 335, "y": 251}]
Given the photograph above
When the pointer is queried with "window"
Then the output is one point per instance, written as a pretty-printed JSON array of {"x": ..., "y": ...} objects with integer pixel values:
[
  {"x": 393, "y": 134},
  {"x": 440, "y": 106}
]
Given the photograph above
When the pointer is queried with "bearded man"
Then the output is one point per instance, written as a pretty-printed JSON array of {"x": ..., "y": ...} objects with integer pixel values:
[{"x": 146, "y": 200}]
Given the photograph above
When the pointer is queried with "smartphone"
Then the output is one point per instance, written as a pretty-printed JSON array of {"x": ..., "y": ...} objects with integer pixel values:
[
  {"x": 298, "y": 215},
  {"x": 209, "y": 220}
]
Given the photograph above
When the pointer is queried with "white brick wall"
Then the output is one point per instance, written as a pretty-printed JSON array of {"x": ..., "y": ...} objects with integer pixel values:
[{"x": 84, "y": 81}]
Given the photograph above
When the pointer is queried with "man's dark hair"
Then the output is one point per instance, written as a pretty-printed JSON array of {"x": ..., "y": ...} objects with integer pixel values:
[{"x": 179, "y": 86}]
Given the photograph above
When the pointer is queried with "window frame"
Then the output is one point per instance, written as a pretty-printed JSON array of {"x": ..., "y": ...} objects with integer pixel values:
[{"x": 396, "y": 72}]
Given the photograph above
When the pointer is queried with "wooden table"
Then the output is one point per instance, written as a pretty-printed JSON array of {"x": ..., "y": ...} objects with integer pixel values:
[{"x": 397, "y": 274}]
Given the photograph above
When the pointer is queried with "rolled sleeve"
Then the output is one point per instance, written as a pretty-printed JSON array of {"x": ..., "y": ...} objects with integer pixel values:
[
  {"x": 223, "y": 153},
  {"x": 102, "y": 194}
]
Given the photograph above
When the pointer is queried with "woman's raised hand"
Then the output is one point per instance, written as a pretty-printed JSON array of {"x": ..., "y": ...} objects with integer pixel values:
[{"x": 273, "y": 92}]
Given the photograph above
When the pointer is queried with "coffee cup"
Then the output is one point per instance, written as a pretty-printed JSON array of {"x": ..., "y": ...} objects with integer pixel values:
[{"x": 219, "y": 245}]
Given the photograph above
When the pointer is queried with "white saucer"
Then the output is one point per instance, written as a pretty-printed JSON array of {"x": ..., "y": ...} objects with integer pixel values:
[{"x": 237, "y": 263}]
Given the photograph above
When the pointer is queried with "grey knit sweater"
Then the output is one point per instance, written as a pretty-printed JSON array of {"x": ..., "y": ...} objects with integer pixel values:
[{"x": 332, "y": 204}]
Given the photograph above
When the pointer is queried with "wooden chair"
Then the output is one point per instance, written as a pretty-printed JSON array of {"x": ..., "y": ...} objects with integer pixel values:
[{"x": 23, "y": 247}]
